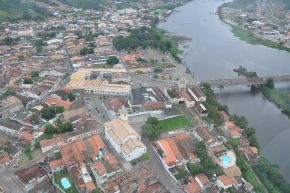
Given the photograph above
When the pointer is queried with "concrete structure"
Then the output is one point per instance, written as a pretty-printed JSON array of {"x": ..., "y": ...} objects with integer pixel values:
[
  {"x": 11, "y": 127},
  {"x": 48, "y": 144},
  {"x": 124, "y": 139},
  {"x": 251, "y": 81},
  {"x": 82, "y": 79}
]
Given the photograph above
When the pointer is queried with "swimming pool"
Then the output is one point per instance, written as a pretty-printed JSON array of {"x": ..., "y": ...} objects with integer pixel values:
[
  {"x": 226, "y": 160},
  {"x": 65, "y": 183}
]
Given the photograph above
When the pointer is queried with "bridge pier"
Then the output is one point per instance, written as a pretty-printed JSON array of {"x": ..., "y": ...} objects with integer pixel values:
[{"x": 255, "y": 88}]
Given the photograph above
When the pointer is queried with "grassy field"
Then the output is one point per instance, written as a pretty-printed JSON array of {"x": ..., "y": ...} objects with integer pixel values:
[
  {"x": 57, "y": 179},
  {"x": 280, "y": 98},
  {"x": 175, "y": 123},
  {"x": 34, "y": 153},
  {"x": 252, "y": 39}
]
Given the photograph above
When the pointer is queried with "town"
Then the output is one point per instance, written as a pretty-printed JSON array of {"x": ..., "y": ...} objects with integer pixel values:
[
  {"x": 259, "y": 21},
  {"x": 98, "y": 101}
]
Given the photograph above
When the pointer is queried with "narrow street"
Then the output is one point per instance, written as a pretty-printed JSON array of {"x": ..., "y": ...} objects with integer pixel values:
[
  {"x": 160, "y": 172},
  {"x": 7, "y": 182}
]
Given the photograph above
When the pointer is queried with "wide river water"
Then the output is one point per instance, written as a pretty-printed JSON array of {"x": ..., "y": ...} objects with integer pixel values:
[{"x": 213, "y": 53}]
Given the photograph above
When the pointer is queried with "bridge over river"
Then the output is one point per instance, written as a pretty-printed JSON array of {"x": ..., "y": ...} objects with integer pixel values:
[{"x": 248, "y": 81}]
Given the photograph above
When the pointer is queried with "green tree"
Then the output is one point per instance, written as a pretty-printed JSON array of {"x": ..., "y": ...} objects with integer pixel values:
[
  {"x": 27, "y": 81},
  {"x": 65, "y": 127},
  {"x": 112, "y": 60},
  {"x": 152, "y": 128},
  {"x": 71, "y": 96},
  {"x": 35, "y": 74},
  {"x": 240, "y": 121},
  {"x": 85, "y": 51},
  {"x": 270, "y": 83},
  {"x": 49, "y": 130},
  {"x": 8, "y": 40}
]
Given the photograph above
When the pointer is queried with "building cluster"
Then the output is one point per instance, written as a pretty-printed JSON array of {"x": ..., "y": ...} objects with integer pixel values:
[
  {"x": 71, "y": 121},
  {"x": 256, "y": 20},
  {"x": 180, "y": 154}
]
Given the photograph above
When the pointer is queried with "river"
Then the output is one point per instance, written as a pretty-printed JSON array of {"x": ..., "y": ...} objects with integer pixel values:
[{"x": 213, "y": 53}]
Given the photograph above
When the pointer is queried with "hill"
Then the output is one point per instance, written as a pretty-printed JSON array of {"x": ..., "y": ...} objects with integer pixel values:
[
  {"x": 85, "y": 4},
  {"x": 15, "y": 10}
]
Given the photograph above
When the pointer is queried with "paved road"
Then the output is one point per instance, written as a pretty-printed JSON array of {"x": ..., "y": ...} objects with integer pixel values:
[
  {"x": 7, "y": 182},
  {"x": 160, "y": 172}
]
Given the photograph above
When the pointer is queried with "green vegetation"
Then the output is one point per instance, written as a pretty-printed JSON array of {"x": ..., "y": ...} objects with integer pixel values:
[
  {"x": 182, "y": 174},
  {"x": 271, "y": 177},
  {"x": 64, "y": 174},
  {"x": 153, "y": 127},
  {"x": 39, "y": 43},
  {"x": 279, "y": 97},
  {"x": 9, "y": 40},
  {"x": 85, "y": 51},
  {"x": 252, "y": 39},
  {"x": 287, "y": 4},
  {"x": 263, "y": 169},
  {"x": 35, "y": 74},
  {"x": 51, "y": 112},
  {"x": 249, "y": 174},
  {"x": 27, "y": 81},
  {"x": 15, "y": 10},
  {"x": 175, "y": 123},
  {"x": 148, "y": 37},
  {"x": 206, "y": 165},
  {"x": 112, "y": 60},
  {"x": 97, "y": 191},
  {"x": 85, "y": 4},
  {"x": 241, "y": 4},
  {"x": 240, "y": 121},
  {"x": 71, "y": 96},
  {"x": 146, "y": 156},
  {"x": 212, "y": 105},
  {"x": 249, "y": 133},
  {"x": 88, "y": 36},
  {"x": 60, "y": 128},
  {"x": 57, "y": 155},
  {"x": 7, "y": 93},
  {"x": 29, "y": 155},
  {"x": 244, "y": 72}
]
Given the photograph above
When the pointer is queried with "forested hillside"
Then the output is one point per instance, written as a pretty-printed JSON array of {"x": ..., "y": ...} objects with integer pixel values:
[
  {"x": 85, "y": 4},
  {"x": 14, "y": 10}
]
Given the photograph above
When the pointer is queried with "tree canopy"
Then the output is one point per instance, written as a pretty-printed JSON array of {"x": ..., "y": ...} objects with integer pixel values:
[{"x": 112, "y": 60}]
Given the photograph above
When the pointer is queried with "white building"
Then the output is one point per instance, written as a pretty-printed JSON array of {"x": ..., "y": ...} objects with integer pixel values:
[{"x": 124, "y": 139}]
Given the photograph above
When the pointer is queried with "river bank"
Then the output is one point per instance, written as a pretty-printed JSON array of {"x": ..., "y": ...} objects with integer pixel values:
[
  {"x": 279, "y": 97},
  {"x": 252, "y": 38},
  {"x": 245, "y": 34},
  {"x": 250, "y": 172},
  {"x": 269, "y": 178},
  {"x": 214, "y": 52}
]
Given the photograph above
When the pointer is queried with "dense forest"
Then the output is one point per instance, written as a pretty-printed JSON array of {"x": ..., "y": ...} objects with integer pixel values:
[
  {"x": 148, "y": 37},
  {"x": 14, "y": 10},
  {"x": 85, "y": 4}
]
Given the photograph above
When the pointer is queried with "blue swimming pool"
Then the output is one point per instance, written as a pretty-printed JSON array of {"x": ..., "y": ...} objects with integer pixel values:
[
  {"x": 226, "y": 160},
  {"x": 65, "y": 183}
]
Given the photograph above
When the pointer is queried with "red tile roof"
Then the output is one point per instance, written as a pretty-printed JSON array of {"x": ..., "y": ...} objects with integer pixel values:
[
  {"x": 226, "y": 180},
  {"x": 192, "y": 186},
  {"x": 56, "y": 163},
  {"x": 58, "y": 102}
]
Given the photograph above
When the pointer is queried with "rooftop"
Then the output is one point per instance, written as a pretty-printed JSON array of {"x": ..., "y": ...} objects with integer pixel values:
[{"x": 27, "y": 174}]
